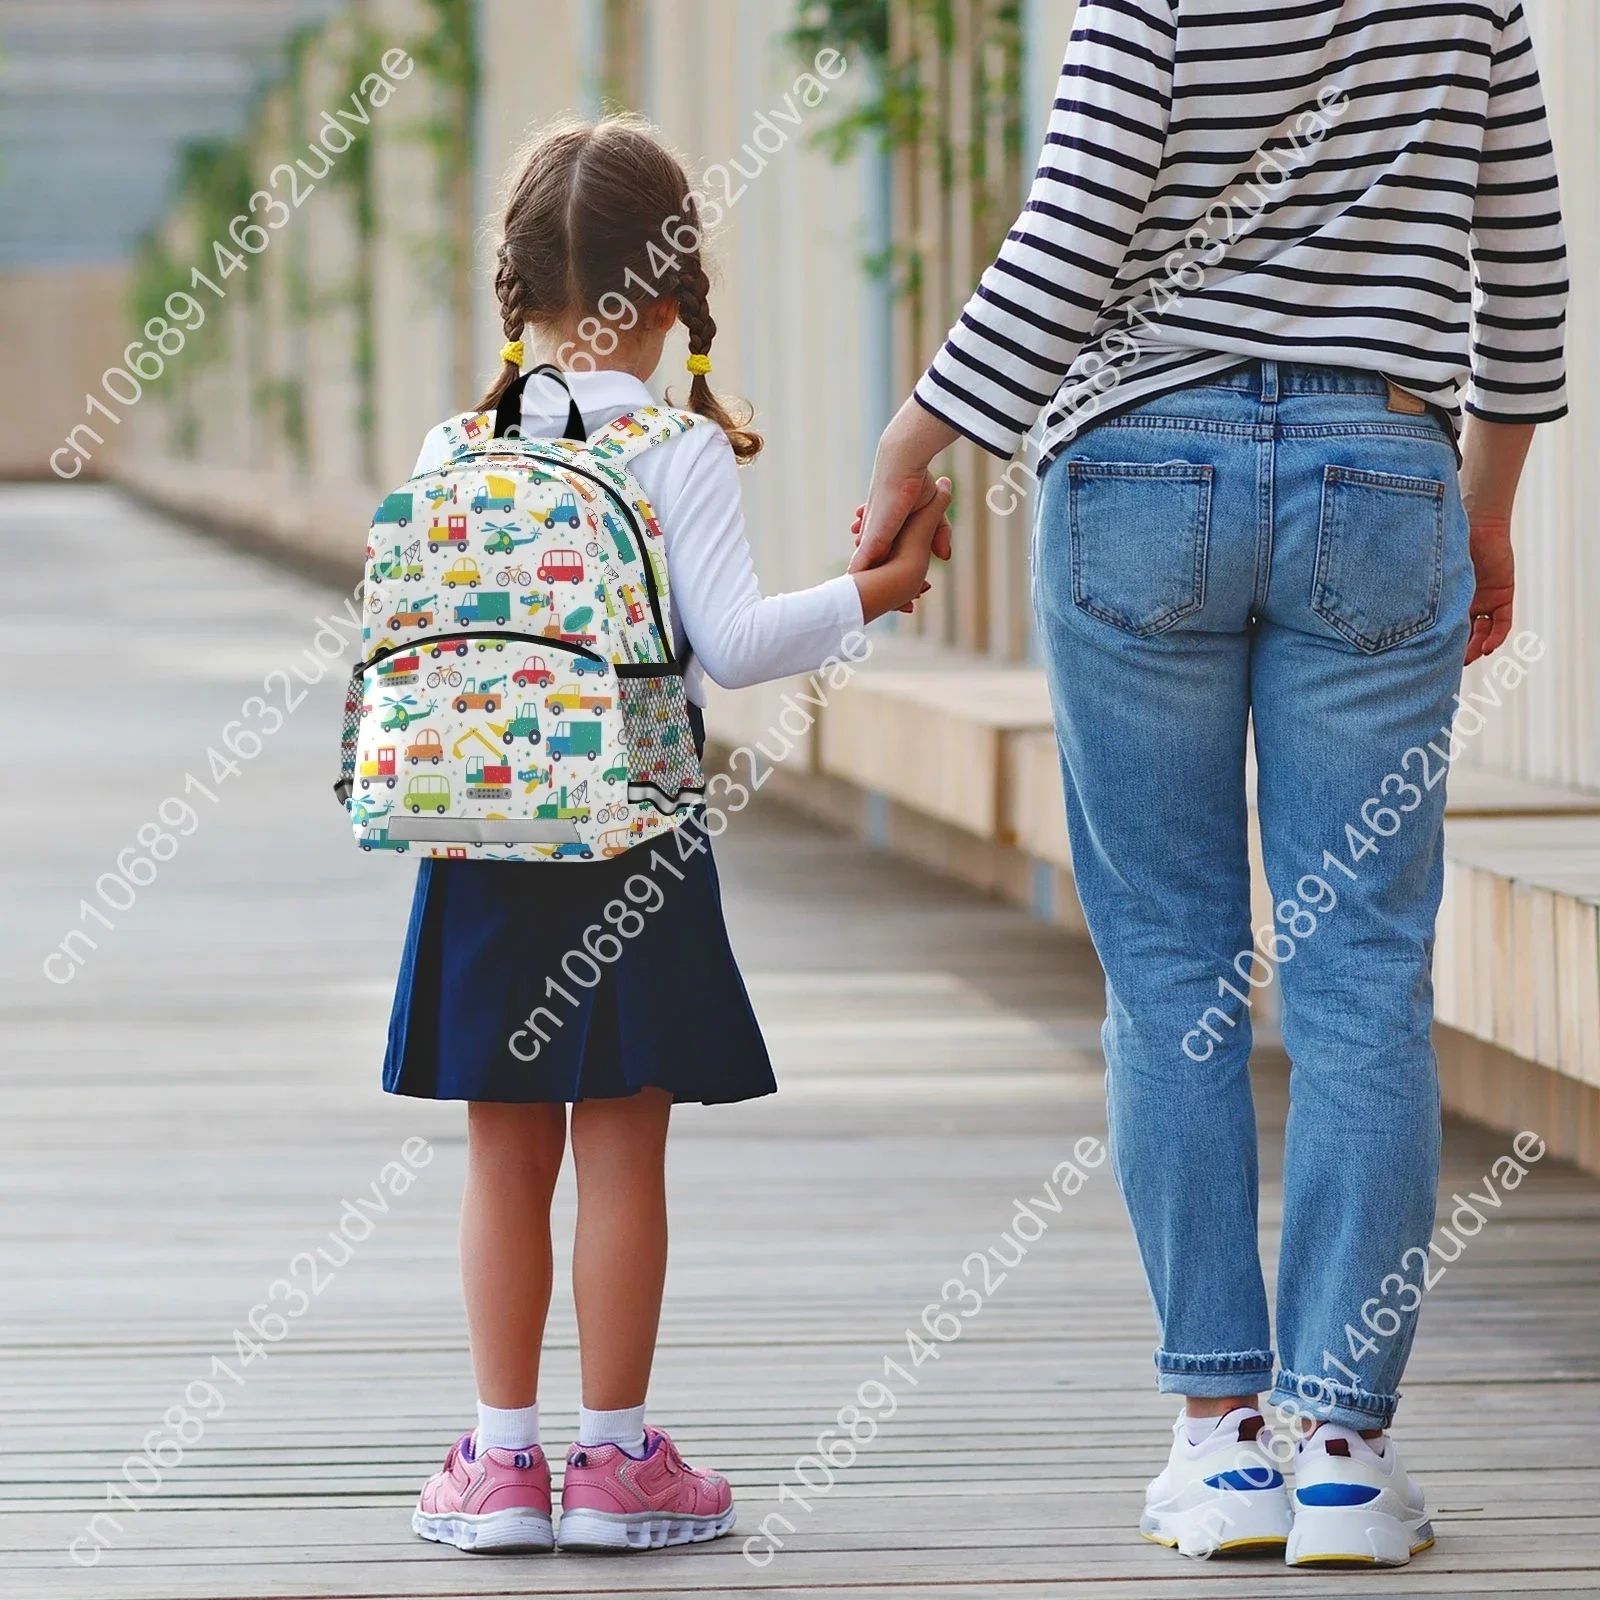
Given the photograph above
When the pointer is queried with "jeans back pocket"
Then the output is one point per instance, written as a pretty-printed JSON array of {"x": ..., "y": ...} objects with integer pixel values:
[
  {"x": 1380, "y": 555},
  {"x": 1138, "y": 532}
]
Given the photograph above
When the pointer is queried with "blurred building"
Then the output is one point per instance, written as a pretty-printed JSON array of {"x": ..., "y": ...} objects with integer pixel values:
[{"x": 853, "y": 231}]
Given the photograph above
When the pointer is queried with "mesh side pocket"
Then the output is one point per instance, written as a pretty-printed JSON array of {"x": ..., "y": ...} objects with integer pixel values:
[
  {"x": 344, "y": 787},
  {"x": 663, "y": 769}
]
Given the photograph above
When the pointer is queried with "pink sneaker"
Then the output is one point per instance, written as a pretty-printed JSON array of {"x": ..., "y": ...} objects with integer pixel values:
[
  {"x": 613, "y": 1501},
  {"x": 499, "y": 1500}
]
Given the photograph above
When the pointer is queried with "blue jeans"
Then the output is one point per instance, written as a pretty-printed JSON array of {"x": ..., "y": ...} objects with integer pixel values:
[{"x": 1275, "y": 546}]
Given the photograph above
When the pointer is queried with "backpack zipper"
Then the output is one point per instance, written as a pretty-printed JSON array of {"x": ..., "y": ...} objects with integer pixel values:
[{"x": 427, "y": 640}]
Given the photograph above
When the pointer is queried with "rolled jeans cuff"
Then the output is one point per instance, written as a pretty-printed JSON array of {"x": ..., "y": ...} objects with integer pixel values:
[
  {"x": 1213, "y": 1376},
  {"x": 1333, "y": 1402}
]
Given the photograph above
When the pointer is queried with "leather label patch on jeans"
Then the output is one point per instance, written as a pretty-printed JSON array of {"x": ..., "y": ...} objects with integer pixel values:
[{"x": 1399, "y": 400}]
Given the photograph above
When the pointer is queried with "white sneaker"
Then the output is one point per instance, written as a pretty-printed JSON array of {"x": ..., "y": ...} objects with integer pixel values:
[
  {"x": 1354, "y": 1502},
  {"x": 1222, "y": 1495}
]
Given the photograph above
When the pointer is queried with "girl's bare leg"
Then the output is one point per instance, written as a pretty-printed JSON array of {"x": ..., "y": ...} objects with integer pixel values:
[
  {"x": 619, "y": 1259},
  {"x": 513, "y": 1157}
]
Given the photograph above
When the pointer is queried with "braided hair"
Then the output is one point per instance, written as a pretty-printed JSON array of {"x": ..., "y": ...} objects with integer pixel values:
[{"x": 587, "y": 203}]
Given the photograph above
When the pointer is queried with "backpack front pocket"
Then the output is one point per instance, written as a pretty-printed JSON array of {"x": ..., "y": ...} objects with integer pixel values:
[
  {"x": 1380, "y": 555},
  {"x": 1138, "y": 533}
]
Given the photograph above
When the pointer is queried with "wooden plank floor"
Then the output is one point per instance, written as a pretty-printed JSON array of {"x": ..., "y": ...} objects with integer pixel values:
[{"x": 189, "y": 1113}]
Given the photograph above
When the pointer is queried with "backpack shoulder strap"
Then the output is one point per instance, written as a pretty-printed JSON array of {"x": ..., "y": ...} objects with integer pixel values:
[{"x": 634, "y": 432}]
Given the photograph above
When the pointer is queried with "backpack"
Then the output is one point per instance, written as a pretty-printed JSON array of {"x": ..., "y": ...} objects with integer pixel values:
[{"x": 517, "y": 698}]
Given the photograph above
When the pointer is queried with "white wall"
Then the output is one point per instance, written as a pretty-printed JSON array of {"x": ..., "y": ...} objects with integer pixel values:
[{"x": 1550, "y": 729}]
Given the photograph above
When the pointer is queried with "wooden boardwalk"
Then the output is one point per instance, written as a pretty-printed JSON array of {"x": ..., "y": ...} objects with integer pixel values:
[{"x": 189, "y": 1112}]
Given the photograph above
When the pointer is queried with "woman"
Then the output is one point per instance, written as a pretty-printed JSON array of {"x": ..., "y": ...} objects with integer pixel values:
[{"x": 1239, "y": 297}]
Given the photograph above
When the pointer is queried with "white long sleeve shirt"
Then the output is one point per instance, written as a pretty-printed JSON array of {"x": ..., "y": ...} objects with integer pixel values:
[
  {"x": 1363, "y": 183},
  {"x": 737, "y": 635}
]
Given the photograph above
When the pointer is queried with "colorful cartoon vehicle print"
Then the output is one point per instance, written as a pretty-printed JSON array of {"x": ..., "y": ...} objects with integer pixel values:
[
  {"x": 538, "y": 602},
  {"x": 616, "y": 774},
  {"x": 447, "y": 676},
  {"x": 613, "y": 811},
  {"x": 379, "y": 768},
  {"x": 572, "y": 848},
  {"x": 533, "y": 778},
  {"x": 463, "y": 573},
  {"x": 384, "y": 569},
  {"x": 570, "y": 697},
  {"x": 484, "y": 608},
  {"x": 375, "y": 836},
  {"x": 497, "y": 494},
  {"x": 502, "y": 538},
  {"x": 634, "y": 601},
  {"x": 507, "y": 576},
  {"x": 560, "y": 566},
  {"x": 535, "y": 671},
  {"x": 437, "y": 493},
  {"x": 451, "y": 531},
  {"x": 523, "y": 724},
  {"x": 403, "y": 712},
  {"x": 648, "y": 517},
  {"x": 553, "y": 630},
  {"x": 396, "y": 508},
  {"x": 414, "y": 614},
  {"x": 564, "y": 511},
  {"x": 427, "y": 792},
  {"x": 583, "y": 666},
  {"x": 475, "y": 427},
  {"x": 480, "y": 696},
  {"x": 400, "y": 669},
  {"x": 617, "y": 841},
  {"x": 427, "y": 746},
  {"x": 574, "y": 739},
  {"x": 619, "y": 537},
  {"x": 558, "y": 810},
  {"x": 485, "y": 779}
]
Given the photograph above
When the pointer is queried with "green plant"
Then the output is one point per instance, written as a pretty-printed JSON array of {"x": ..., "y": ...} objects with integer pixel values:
[
  {"x": 447, "y": 57},
  {"x": 354, "y": 175},
  {"x": 900, "y": 107}
]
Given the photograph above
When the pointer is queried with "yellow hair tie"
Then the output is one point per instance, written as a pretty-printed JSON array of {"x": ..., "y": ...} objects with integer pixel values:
[
  {"x": 699, "y": 365},
  {"x": 512, "y": 352}
]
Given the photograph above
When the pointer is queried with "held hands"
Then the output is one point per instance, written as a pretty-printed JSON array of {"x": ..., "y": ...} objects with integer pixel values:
[
  {"x": 901, "y": 576},
  {"x": 901, "y": 484}
]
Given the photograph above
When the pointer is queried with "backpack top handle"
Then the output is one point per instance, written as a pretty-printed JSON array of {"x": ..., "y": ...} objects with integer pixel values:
[{"x": 508, "y": 409}]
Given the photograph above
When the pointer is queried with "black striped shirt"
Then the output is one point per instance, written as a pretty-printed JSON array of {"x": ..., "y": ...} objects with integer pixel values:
[{"x": 1361, "y": 183}]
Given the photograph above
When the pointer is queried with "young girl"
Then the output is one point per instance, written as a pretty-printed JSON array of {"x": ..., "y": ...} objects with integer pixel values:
[{"x": 670, "y": 1019}]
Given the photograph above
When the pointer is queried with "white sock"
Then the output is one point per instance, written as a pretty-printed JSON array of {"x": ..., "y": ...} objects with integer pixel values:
[
  {"x": 507, "y": 1430},
  {"x": 624, "y": 1428},
  {"x": 1196, "y": 1430}
]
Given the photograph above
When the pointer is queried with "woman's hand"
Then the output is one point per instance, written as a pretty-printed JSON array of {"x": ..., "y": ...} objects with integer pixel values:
[
  {"x": 902, "y": 484},
  {"x": 1491, "y": 463},
  {"x": 1494, "y": 566},
  {"x": 895, "y": 582}
]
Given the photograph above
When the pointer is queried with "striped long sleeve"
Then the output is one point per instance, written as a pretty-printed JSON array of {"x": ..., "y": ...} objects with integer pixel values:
[
  {"x": 1518, "y": 253},
  {"x": 1356, "y": 183},
  {"x": 1035, "y": 306}
]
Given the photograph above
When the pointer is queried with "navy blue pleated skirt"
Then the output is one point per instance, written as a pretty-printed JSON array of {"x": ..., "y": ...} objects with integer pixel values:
[{"x": 484, "y": 953}]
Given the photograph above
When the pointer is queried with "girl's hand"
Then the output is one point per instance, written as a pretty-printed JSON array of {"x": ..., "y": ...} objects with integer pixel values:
[{"x": 898, "y": 580}]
